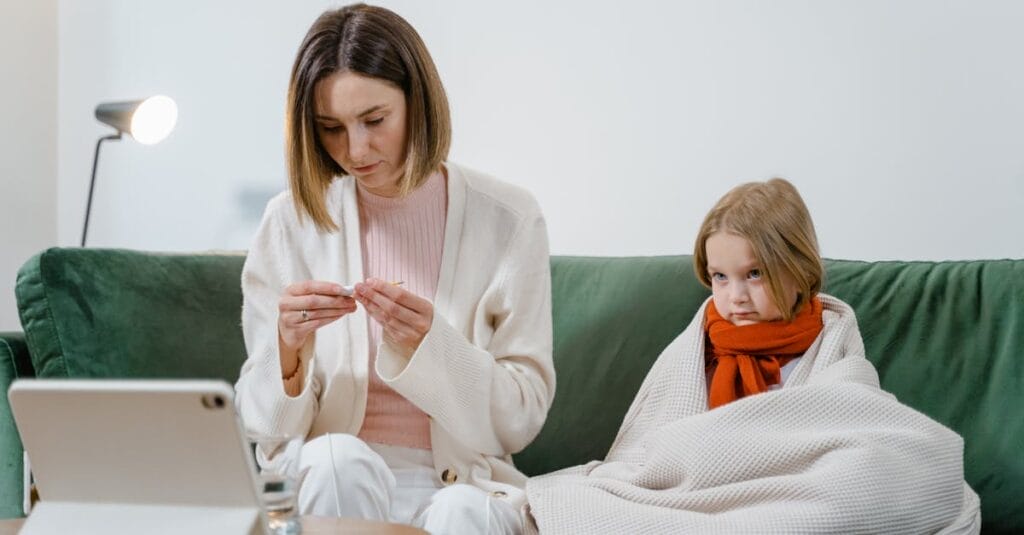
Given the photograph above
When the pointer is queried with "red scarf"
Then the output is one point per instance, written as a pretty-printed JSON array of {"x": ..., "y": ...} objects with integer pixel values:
[{"x": 747, "y": 359}]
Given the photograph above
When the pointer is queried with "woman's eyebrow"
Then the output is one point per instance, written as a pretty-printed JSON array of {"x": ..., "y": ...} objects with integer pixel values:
[
  {"x": 364, "y": 113},
  {"x": 371, "y": 109}
]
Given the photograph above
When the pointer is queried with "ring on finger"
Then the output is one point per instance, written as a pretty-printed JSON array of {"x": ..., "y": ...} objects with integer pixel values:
[{"x": 305, "y": 314}]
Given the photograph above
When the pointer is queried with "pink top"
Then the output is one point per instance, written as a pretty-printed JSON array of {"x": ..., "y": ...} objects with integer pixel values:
[{"x": 402, "y": 239}]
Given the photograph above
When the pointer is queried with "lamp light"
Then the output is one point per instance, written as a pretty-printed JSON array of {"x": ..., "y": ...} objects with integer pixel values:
[{"x": 149, "y": 121}]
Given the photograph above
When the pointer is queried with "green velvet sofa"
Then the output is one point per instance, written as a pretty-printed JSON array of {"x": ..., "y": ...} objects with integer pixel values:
[{"x": 947, "y": 338}]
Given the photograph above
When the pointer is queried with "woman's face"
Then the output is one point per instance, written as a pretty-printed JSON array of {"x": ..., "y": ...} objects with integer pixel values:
[
  {"x": 740, "y": 291},
  {"x": 361, "y": 123}
]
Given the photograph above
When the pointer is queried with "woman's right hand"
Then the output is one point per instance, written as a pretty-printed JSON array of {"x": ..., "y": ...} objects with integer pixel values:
[{"x": 303, "y": 308}]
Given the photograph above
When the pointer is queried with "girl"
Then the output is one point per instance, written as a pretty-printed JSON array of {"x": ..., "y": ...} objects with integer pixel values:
[
  {"x": 764, "y": 415},
  {"x": 413, "y": 390}
]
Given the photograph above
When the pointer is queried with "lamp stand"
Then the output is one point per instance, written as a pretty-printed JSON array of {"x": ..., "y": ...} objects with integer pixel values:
[{"x": 92, "y": 180}]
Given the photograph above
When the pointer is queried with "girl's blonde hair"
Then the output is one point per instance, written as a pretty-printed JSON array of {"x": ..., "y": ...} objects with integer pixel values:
[
  {"x": 375, "y": 42},
  {"x": 774, "y": 219}
]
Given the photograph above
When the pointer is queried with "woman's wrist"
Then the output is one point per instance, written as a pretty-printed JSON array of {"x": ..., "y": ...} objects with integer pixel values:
[
  {"x": 288, "y": 373},
  {"x": 289, "y": 359},
  {"x": 292, "y": 385}
]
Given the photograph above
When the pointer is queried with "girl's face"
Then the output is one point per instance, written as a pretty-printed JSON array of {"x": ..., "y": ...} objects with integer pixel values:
[
  {"x": 740, "y": 292},
  {"x": 361, "y": 122}
]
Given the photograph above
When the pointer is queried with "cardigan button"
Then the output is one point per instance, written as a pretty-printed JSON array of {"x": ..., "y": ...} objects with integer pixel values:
[{"x": 449, "y": 476}]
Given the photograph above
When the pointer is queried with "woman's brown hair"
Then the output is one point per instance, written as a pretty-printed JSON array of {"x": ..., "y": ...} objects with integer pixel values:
[
  {"x": 374, "y": 42},
  {"x": 774, "y": 219}
]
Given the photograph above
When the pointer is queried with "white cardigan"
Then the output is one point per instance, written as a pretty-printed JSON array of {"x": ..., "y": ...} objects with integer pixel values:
[{"x": 483, "y": 373}]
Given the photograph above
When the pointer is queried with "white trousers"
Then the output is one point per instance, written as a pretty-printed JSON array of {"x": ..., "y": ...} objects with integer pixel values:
[{"x": 347, "y": 477}]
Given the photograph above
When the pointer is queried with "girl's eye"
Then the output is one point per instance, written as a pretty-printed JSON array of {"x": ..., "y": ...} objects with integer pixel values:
[
  {"x": 331, "y": 129},
  {"x": 375, "y": 122},
  {"x": 718, "y": 277},
  {"x": 755, "y": 274}
]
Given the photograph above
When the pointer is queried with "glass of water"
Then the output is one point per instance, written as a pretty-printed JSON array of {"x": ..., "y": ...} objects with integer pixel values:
[{"x": 278, "y": 477}]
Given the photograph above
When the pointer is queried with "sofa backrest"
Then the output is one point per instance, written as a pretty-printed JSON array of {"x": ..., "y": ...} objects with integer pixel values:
[
  {"x": 946, "y": 337},
  {"x": 612, "y": 317},
  {"x": 117, "y": 313}
]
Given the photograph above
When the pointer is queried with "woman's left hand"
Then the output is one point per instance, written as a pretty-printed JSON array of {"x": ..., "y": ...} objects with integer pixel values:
[{"x": 404, "y": 316}]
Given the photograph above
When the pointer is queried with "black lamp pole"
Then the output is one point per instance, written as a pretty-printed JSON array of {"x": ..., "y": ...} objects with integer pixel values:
[{"x": 92, "y": 181}]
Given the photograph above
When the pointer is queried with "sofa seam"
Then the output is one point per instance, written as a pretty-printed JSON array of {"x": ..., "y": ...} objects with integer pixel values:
[
  {"x": 53, "y": 323},
  {"x": 49, "y": 316}
]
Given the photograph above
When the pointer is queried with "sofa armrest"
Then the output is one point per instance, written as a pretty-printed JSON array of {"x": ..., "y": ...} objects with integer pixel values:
[
  {"x": 14, "y": 363},
  {"x": 13, "y": 349}
]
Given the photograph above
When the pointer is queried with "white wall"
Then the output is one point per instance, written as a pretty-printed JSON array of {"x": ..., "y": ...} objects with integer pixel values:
[
  {"x": 902, "y": 122},
  {"x": 28, "y": 140}
]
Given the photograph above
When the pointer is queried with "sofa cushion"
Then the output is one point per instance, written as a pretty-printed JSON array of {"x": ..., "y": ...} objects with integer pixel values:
[
  {"x": 112, "y": 313},
  {"x": 612, "y": 318}
]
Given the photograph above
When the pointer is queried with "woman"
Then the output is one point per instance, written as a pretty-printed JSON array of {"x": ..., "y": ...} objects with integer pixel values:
[{"x": 415, "y": 385}]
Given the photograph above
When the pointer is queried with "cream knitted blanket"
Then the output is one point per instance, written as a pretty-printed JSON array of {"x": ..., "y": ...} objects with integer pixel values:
[{"x": 828, "y": 452}]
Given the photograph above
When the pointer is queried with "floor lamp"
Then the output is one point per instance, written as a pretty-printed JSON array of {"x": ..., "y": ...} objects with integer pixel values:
[{"x": 149, "y": 121}]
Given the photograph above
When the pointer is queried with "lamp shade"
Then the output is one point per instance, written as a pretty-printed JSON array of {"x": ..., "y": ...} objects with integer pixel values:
[{"x": 149, "y": 121}]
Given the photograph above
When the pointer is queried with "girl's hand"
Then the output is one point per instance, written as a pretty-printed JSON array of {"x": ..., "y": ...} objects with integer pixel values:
[
  {"x": 404, "y": 316},
  {"x": 305, "y": 307}
]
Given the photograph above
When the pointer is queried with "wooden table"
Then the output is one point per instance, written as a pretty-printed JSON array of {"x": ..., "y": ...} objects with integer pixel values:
[{"x": 311, "y": 525}]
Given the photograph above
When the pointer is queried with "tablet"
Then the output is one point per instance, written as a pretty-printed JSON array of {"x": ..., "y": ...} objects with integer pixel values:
[{"x": 137, "y": 456}]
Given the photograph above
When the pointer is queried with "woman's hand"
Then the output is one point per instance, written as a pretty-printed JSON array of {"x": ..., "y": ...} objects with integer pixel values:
[
  {"x": 404, "y": 316},
  {"x": 303, "y": 308}
]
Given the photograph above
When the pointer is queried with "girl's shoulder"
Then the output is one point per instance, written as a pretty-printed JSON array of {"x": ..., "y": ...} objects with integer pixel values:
[
  {"x": 840, "y": 334},
  {"x": 834, "y": 305}
]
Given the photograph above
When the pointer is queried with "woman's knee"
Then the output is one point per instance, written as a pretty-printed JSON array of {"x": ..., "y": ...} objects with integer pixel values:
[
  {"x": 468, "y": 509},
  {"x": 461, "y": 499},
  {"x": 344, "y": 477},
  {"x": 340, "y": 457}
]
